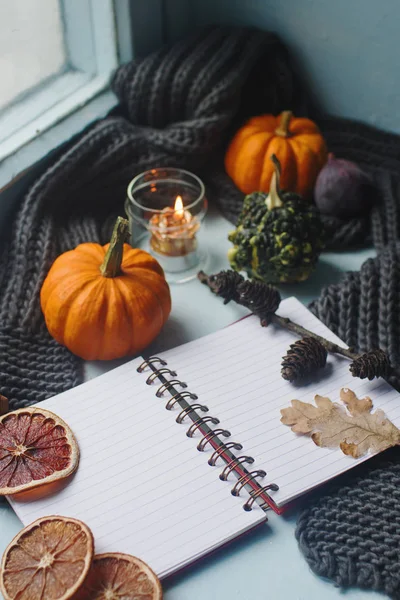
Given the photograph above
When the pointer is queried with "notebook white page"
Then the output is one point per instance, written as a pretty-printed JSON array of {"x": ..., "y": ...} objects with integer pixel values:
[
  {"x": 236, "y": 372},
  {"x": 141, "y": 486}
]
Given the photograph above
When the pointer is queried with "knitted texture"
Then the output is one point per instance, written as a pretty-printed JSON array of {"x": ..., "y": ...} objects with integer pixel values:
[
  {"x": 352, "y": 535},
  {"x": 177, "y": 107},
  {"x": 363, "y": 308},
  {"x": 379, "y": 154},
  {"x": 375, "y": 151}
]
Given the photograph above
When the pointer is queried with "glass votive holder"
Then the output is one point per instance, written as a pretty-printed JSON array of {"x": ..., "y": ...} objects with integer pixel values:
[{"x": 165, "y": 208}]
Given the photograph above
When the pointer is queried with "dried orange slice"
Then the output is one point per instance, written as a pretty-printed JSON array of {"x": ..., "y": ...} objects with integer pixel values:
[
  {"x": 36, "y": 447},
  {"x": 116, "y": 576},
  {"x": 48, "y": 560}
]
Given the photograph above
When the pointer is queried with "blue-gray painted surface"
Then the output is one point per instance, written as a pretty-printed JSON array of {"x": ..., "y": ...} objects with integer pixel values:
[
  {"x": 348, "y": 50},
  {"x": 180, "y": 17}
]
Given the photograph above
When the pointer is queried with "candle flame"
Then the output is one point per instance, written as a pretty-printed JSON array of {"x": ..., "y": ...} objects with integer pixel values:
[{"x": 178, "y": 208}]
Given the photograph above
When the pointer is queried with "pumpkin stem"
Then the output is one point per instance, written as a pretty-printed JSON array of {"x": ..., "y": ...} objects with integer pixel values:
[
  {"x": 111, "y": 266},
  {"x": 283, "y": 129},
  {"x": 274, "y": 197}
]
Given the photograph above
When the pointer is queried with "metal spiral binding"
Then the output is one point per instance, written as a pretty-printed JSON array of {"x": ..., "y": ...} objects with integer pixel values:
[
  {"x": 241, "y": 482},
  {"x": 184, "y": 413},
  {"x": 236, "y": 464},
  {"x": 209, "y": 436},
  {"x": 150, "y": 361},
  {"x": 232, "y": 466},
  {"x": 157, "y": 374},
  {"x": 254, "y": 495},
  {"x": 212, "y": 461},
  {"x": 199, "y": 422},
  {"x": 165, "y": 387},
  {"x": 179, "y": 396}
]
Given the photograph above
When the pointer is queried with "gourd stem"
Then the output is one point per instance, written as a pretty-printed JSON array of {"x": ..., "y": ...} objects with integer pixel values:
[
  {"x": 283, "y": 129},
  {"x": 111, "y": 266},
  {"x": 274, "y": 197}
]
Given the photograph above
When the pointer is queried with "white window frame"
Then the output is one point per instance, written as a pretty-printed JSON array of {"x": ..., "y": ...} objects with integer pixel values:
[
  {"x": 122, "y": 29},
  {"x": 91, "y": 48}
]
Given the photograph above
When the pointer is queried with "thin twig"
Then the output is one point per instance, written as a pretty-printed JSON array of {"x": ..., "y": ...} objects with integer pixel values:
[
  {"x": 303, "y": 332},
  {"x": 204, "y": 278},
  {"x": 288, "y": 324}
]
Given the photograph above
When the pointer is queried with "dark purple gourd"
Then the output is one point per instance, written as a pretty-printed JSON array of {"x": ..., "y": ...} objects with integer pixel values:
[{"x": 343, "y": 189}]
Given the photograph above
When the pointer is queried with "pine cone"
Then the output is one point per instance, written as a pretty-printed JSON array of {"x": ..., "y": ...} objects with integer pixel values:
[
  {"x": 224, "y": 284},
  {"x": 262, "y": 299},
  {"x": 371, "y": 364},
  {"x": 302, "y": 358}
]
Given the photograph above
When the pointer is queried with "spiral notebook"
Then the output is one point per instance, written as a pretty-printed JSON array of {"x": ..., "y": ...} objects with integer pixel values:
[{"x": 158, "y": 483}]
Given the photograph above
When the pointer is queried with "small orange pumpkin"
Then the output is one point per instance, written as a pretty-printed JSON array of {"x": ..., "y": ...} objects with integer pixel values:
[
  {"x": 105, "y": 302},
  {"x": 296, "y": 142}
]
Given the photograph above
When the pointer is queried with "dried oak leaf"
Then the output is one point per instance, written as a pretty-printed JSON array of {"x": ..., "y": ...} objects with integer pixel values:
[{"x": 355, "y": 430}]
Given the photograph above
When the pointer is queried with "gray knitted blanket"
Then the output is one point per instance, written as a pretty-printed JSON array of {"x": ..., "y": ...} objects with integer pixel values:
[
  {"x": 180, "y": 106},
  {"x": 176, "y": 107}
]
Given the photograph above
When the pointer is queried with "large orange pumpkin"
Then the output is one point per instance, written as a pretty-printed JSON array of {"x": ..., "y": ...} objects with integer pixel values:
[
  {"x": 105, "y": 302},
  {"x": 296, "y": 142}
]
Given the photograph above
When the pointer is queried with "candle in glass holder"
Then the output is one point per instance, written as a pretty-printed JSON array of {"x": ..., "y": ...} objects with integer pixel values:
[
  {"x": 166, "y": 207},
  {"x": 173, "y": 230}
]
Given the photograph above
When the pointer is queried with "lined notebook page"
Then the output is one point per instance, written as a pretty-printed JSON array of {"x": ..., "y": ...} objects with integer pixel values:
[
  {"x": 141, "y": 486},
  {"x": 236, "y": 372}
]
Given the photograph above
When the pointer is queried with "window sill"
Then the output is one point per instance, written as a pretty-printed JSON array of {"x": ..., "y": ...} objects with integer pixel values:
[{"x": 18, "y": 163}]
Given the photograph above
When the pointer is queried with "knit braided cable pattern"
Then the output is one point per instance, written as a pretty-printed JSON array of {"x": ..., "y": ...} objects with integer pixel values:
[
  {"x": 379, "y": 154},
  {"x": 352, "y": 535},
  {"x": 363, "y": 308},
  {"x": 376, "y": 152},
  {"x": 179, "y": 107},
  {"x": 176, "y": 107}
]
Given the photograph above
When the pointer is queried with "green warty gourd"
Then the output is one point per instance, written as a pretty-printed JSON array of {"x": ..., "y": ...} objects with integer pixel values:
[{"x": 278, "y": 237}]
